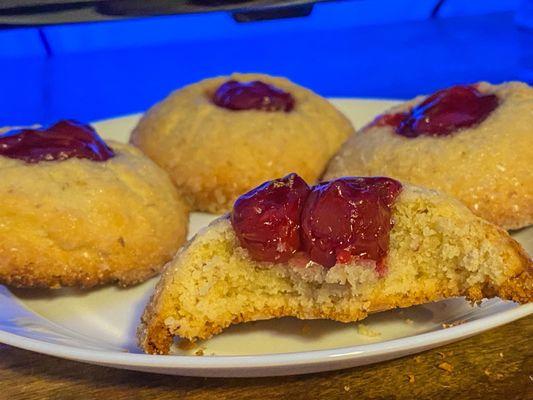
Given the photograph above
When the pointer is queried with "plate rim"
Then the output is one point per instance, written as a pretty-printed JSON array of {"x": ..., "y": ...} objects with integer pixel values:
[{"x": 239, "y": 362}]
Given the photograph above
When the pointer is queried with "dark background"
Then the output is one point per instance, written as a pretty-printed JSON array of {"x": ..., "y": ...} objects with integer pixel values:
[{"x": 368, "y": 48}]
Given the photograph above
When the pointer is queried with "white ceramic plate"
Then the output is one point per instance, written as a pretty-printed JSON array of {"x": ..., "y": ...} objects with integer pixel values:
[{"x": 98, "y": 326}]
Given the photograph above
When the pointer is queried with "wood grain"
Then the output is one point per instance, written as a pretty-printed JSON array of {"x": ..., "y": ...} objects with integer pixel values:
[{"x": 495, "y": 365}]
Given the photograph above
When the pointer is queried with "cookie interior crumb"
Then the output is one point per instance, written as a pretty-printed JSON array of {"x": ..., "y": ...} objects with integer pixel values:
[{"x": 214, "y": 283}]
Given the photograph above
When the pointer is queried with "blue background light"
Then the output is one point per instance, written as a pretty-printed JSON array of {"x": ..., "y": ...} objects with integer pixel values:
[{"x": 378, "y": 48}]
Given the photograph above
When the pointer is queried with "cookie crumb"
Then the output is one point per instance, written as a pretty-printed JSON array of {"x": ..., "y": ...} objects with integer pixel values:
[
  {"x": 446, "y": 366},
  {"x": 306, "y": 329},
  {"x": 501, "y": 355},
  {"x": 411, "y": 378},
  {"x": 490, "y": 374},
  {"x": 452, "y": 324},
  {"x": 346, "y": 388},
  {"x": 199, "y": 352},
  {"x": 364, "y": 330}
]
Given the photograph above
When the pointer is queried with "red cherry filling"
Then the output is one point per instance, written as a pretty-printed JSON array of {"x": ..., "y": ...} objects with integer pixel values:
[
  {"x": 63, "y": 140},
  {"x": 256, "y": 95},
  {"x": 389, "y": 119},
  {"x": 333, "y": 222},
  {"x": 443, "y": 113},
  {"x": 348, "y": 218},
  {"x": 267, "y": 219}
]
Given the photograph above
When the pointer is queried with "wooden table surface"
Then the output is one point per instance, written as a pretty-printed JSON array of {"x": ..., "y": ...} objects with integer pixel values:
[{"x": 495, "y": 365}]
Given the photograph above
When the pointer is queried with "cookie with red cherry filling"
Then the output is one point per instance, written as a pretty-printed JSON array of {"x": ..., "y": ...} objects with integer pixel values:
[
  {"x": 474, "y": 142},
  {"x": 338, "y": 250},
  {"x": 221, "y": 137},
  {"x": 78, "y": 211}
]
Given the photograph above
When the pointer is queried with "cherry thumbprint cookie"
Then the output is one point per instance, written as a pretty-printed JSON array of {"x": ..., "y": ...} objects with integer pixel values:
[
  {"x": 339, "y": 250},
  {"x": 223, "y": 136},
  {"x": 474, "y": 142},
  {"x": 76, "y": 210}
]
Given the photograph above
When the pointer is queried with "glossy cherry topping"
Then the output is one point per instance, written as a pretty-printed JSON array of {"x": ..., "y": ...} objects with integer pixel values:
[
  {"x": 63, "y": 140},
  {"x": 390, "y": 119},
  {"x": 333, "y": 222},
  {"x": 349, "y": 218},
  {"x": 267, "y": 219},
  {"x": 256, "y": 95},
  {"x": 443, "y": 113}
]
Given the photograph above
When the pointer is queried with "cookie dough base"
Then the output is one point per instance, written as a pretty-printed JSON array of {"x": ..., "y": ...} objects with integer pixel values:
[{"x": 42, "y": 277}]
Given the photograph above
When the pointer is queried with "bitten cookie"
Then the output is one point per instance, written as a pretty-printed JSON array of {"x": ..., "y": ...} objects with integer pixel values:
[
  {"x": 339, "y": 250},
  {"x": 222, "y": 136},
  {"x": 473, "y": 142},
  {"x": 75, "y": 211}
]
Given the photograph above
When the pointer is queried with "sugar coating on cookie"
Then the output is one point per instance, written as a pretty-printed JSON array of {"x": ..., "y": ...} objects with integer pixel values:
[
  {"x": 82, "y": 223},
  {"x": 214, "y": 154},
  {"x": 486, "y": 165}
]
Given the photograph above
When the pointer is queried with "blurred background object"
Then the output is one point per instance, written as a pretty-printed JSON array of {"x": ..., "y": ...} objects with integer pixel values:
[
  {"x": 45, "y": 12},
  {"x": 367, "y": 48}
]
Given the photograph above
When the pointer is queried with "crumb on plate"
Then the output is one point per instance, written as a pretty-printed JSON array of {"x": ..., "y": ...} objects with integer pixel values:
[
  {"x": 364, "y": 330},
  {"x": 446, "y": 366}
]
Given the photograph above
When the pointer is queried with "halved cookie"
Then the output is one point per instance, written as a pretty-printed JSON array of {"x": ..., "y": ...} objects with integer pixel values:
[{"x": 340, "y": 250}]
